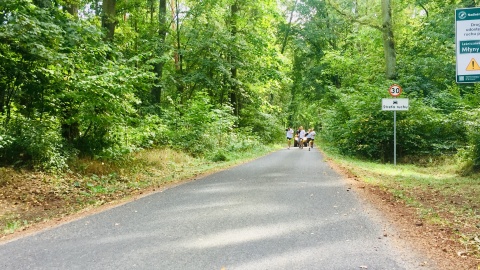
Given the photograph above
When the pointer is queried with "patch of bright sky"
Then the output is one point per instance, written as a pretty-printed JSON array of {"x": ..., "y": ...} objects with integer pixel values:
[{"x": 86, "y": 12}]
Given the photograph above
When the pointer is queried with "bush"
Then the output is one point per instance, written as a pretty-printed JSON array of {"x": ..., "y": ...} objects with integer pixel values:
[
  {"x": 219, "y": 156},
  {"x": 263, "y": 125},
  {"x": 242, "y": 140},
  {"x": 355, "y": 125},
  {"x": 34, "y": 143},
  {"x": 471, "y": 153},
  {"x": 199, "y": 128}
]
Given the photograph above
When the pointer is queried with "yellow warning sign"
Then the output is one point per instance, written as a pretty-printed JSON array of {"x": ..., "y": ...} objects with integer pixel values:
[{"x": 473, "y": 65}]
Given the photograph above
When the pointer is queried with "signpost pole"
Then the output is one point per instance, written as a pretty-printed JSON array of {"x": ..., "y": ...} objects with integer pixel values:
[
  {"x": 395, "y": 138},
  {"x": 398, "y": 104}
]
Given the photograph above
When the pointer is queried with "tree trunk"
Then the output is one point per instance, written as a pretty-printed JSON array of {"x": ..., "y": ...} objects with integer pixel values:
[
  {"x": 178, "y": 53},
  {"x": 177, "y": 23},
  {"x": 70, "y": 130},
  {"x": 388, "y": 40},
  {"x": 162, "y": 32},
  {"x": 152, "y": 10},
  {"x": 234, "y": 99},
  {"x": 71, "y": 7},
  {"x": 2, "y": 100},
  {"x": 109, "y": 20},
  {"x": 289, "y": 26},
  {"x": 6, "y": 99}
]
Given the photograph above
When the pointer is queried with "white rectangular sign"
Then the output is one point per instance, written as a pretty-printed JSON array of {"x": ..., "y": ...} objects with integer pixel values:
[
  {"x": 467, "y": 35},
  {"x": 394, "y": 104}
]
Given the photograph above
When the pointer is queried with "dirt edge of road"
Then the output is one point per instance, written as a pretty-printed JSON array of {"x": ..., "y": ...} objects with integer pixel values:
[
  {"x": 433, "y": 242},
  {"x": 35, "y": 228}
]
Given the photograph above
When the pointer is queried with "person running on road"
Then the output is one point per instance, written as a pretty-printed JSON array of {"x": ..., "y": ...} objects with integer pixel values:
[
  {"x": 308, "y": 137},
  {"x": 301, "y": 137},
  {"x": 312, "y": 134},
  {"x": 289, "y": 136}
]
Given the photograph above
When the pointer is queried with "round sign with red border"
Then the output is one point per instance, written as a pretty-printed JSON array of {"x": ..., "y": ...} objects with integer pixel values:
[{"x": 395, "y": 90}]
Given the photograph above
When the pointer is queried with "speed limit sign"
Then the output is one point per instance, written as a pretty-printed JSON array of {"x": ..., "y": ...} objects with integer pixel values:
[{"x": 395, "y": 90}]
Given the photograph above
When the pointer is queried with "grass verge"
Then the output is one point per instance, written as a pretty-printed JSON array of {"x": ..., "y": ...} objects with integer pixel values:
[{"x": 440, "y": 196}]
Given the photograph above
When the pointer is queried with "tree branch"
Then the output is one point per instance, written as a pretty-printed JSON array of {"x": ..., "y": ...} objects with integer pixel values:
[
  {"x": 423, "y": 7},
  {"x": 289, "y": 26},
  {"x": 353, "y": 18}
]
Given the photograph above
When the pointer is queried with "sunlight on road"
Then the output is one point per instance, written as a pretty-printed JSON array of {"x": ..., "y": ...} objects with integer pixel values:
[
  {"x": 237, "y": 236},
  {"x": 288, "y": 259}
]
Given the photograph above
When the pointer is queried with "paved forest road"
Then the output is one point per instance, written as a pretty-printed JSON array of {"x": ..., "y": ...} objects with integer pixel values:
[{"x": 267, "y": 214}]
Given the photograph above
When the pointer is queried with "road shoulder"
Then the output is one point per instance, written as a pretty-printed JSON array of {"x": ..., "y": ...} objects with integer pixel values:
[{"x": 405, "y": 229}]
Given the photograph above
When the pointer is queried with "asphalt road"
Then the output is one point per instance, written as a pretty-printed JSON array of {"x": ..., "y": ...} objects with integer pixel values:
[{"x": 287, "y": 210}]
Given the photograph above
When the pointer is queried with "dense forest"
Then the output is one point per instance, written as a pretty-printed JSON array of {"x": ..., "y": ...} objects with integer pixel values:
[{"x": 104, "y": 78}]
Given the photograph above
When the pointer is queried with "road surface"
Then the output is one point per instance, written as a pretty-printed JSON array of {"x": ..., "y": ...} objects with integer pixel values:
[{"x": 287, "y": 210}]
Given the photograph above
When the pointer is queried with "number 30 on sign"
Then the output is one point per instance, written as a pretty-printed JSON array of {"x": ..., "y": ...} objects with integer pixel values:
[{"x": 395, "y": 90}]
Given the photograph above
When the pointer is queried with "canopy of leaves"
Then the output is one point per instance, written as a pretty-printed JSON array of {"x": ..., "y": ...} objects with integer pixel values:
[{"x": 204, "y": 75}]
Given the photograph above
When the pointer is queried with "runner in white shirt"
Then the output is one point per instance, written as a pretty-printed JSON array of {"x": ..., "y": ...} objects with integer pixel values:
[
  {"x": 301, "y": 137},
  {"x": 308, "y": 137},
  {"x": 312, "y": 138},
  {"x": 289, "y": 136}
]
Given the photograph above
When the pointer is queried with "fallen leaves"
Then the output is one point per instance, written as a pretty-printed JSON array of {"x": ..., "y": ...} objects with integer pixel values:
[{"x": 29, "y": 197}]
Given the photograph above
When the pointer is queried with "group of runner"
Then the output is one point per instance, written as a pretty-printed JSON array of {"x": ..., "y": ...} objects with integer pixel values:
[{"x": 301, "y": 137}]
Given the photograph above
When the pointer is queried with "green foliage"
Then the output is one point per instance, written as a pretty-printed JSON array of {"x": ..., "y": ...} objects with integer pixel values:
[
  {"x": 356, "y": 126},
  {"x": 219, "y": 156},
  {"x": 199, "y": 127},
  {"x": 216, "y": 83},
  {"x": 341, "y": 72},
  {"x": 13, "y": 226},
  {"x": 266, "y": 127},
  {"x": 105, "y": 103},
  {"x": 146, "y": 133},
  {"x": 472, "y": 153},
  {"x": 99, "y": 93},
  {"x": 5, "y": 141},
  {"x": 243, "y": 141},
  {"x": 34, "y": 143}
]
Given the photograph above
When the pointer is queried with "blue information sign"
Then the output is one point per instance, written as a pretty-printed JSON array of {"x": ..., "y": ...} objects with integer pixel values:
[{"x": 467, "y": 35}]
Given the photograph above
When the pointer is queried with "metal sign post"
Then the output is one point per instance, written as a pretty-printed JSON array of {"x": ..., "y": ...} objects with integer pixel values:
[
  {"x": 395, "y": 104},
  {"x": 395, "y": 138}
]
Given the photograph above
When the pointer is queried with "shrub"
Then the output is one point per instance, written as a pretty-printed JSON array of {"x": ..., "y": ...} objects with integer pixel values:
[
  {"x": 199, "y": 127},
  {"x": 471, "y": 153},
  {"x": 219, "y": 156},
  {"x": 34, "y": 143},
  {"x": 355, "y": 125}
]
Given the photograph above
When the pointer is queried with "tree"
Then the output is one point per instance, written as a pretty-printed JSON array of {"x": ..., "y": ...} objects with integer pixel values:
[
  {"x": 109, "y": 20},
  {"x": 234, "y": 9},
  {"x": 71, "y": 6},
  {"x": 388, "y": 40},
  {"x": 385, "y": 27},
  {"x": 162, "y": 34}
]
